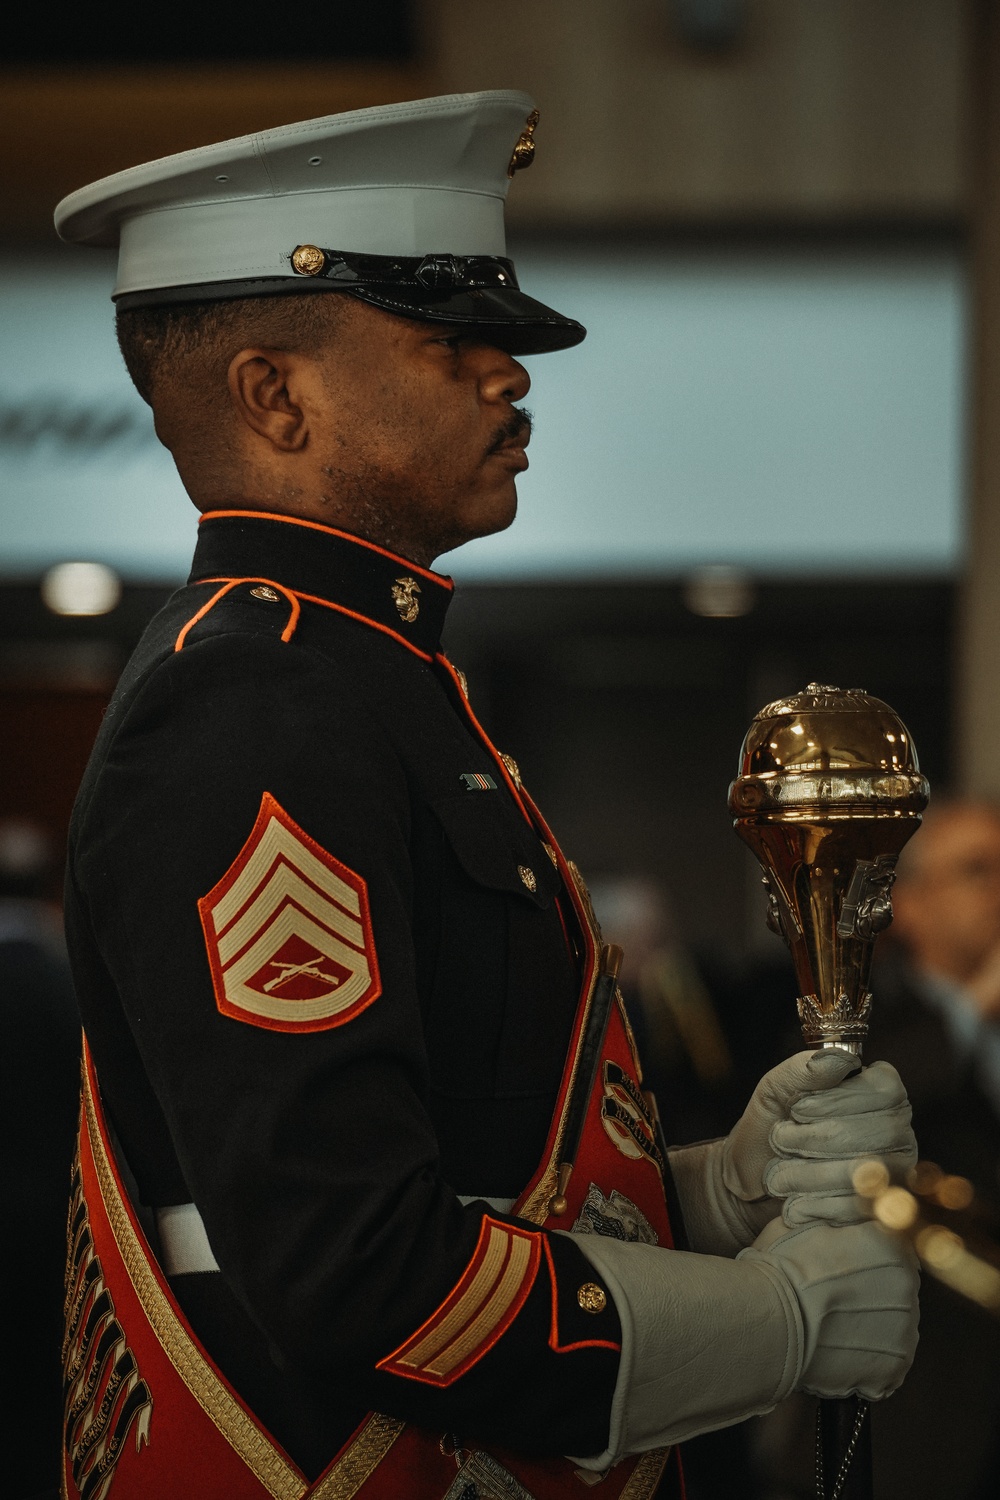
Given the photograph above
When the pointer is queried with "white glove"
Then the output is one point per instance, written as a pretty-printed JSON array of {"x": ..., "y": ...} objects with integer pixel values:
[
  {"x": 707, "y": 1342},
  {"x": 803, "y": 1132},
  {"x": 827, "y": 1134},
  {"x": 857, "y": 1291}
]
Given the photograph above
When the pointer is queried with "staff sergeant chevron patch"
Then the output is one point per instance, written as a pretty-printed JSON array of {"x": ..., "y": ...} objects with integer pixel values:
[{"x": 288, "y": 932}]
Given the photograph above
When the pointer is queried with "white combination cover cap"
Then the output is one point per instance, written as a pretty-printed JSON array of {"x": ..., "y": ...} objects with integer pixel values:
[{"x": 401, "y": 205}]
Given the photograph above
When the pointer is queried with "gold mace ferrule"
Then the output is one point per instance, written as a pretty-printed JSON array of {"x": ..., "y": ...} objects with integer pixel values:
[{"x": 829, "y": 790}]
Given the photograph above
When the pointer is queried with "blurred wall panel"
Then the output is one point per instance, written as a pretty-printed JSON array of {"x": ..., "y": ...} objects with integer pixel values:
[
  {"x": 48, "y": 732},
  {"x": 978, "y": 721},
  {"x": 819, "y": 110},
  {"x": 63, "y": 126}
]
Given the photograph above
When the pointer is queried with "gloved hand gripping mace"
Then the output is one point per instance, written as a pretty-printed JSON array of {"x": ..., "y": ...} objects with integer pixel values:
[{"x": 829, "y": 790}]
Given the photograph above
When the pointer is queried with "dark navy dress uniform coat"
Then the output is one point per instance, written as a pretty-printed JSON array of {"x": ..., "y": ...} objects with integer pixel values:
[{"x": 328, "y": 1164}]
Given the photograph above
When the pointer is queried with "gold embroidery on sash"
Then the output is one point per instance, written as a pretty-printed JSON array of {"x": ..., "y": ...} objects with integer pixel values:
[
  {"x": 105, "y": 1395},
  {"x": 248, "y": 1440},
  {"x": 360, "y": 1461},
  {"x": 646, "y": 1475},
  {"x": 240, "y": 1431}
]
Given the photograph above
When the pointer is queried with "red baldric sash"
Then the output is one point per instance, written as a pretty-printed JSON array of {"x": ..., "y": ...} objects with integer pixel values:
[{"x": 150, "y": 1417}]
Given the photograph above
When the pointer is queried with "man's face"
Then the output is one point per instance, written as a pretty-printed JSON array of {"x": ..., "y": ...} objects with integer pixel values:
[
  {"x": 413, "y": 431},
  {"x": 947, "y": 901}
]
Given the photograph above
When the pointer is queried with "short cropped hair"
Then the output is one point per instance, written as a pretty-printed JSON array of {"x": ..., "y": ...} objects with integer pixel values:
[{"x": 197, "y": 340}]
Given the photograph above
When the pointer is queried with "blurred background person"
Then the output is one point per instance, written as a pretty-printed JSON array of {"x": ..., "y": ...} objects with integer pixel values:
[
  {"x": 936, "y": 1018},
  {"x": 39, "y": 1080},
  {"x": 939, "y": 989}
]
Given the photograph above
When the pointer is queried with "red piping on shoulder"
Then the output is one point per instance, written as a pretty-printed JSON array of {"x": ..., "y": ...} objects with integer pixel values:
[
  {"x": 294, "y": 598},
  {"x": 231, "y": 583}
]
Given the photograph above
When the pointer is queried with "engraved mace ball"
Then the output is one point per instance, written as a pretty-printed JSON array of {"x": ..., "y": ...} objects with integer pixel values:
[{"x": 829, "y": 790}]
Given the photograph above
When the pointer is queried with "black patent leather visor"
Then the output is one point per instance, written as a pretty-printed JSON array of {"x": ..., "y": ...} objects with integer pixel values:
[{"x": 476, "y": 291}]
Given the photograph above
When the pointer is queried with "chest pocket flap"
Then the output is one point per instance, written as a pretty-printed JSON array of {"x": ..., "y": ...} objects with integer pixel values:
[{"x": 496, "y": 848}]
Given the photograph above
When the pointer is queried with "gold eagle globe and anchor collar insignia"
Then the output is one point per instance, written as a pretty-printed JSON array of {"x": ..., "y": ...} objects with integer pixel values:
[
  {"x": 524, "y": 152},
  {"x": 404, "y": 595}
]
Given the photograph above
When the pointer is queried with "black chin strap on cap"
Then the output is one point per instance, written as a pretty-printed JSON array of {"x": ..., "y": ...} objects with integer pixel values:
[
  {"x": 432, "y": 273},
  {"x": 479, "y": 292}
]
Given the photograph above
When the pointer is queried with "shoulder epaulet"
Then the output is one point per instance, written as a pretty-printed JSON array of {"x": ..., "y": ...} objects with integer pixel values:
[{"x": 261, "y": 590}]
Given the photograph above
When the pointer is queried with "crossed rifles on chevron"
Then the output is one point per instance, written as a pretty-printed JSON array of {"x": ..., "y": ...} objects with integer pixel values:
[{"x": 292, "y": 971}]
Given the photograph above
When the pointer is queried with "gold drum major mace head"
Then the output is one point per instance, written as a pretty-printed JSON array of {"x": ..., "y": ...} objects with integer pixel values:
[
  {"x": 835, "y": 750},
  {"x": 829, "y": 790}
]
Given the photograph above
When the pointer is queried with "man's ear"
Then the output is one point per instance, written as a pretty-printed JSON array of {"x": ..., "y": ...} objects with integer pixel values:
[{"x": 264, "y": 385}]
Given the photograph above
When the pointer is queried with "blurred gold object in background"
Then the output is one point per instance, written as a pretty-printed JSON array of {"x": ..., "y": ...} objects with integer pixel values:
[
  {"x": 942, "y": 1251},
  {"x": 829, "y": 791}
]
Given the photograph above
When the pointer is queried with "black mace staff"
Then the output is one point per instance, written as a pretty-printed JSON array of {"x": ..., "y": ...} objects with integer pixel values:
[{"x": 829, "y": 790}]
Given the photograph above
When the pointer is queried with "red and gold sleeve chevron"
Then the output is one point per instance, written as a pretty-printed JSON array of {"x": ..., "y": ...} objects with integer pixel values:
[
  {"x": 288, "y": 932},
  {"x": 477, "y": 1311}
]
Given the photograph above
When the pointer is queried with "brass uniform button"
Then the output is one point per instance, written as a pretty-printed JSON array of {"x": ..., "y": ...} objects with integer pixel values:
[
  {"x": 591, "y": 1297},
  {"x": 308, "y": 260},
  {"x": 263, "y": 592},
  {"x": 527, "y": 877}
]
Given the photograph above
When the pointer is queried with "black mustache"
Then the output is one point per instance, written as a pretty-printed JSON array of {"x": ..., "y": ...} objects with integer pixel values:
[{"x": 518, "y": 425}]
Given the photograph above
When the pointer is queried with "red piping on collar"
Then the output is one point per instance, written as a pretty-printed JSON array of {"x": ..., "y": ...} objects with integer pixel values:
[
  {"x": 365, "y": 620},
  {"x": 346, "y": 536}
]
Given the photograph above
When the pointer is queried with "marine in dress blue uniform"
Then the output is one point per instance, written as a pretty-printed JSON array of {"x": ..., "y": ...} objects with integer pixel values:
[{"x": 336, "y": 975}]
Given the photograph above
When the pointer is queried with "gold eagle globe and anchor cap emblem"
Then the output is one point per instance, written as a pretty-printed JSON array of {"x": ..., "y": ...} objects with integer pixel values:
[
  {"x": 308, "y": 260},
  {"x": 524, "y": 152},
  {"x": 404, "y": 596}
]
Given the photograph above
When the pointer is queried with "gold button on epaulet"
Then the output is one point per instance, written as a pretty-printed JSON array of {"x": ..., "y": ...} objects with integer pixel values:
[
  {"x": 270, "y": 596},
  {"x": 592, "y": 1298}
]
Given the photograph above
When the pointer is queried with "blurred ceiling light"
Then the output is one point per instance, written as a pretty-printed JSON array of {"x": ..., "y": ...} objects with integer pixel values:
[
  {"x": 720, "y": 592},
  {"x": 25, "y": 848},
  {"x": 81, "y": 588},
  {"x": 714, "y": 25}
]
